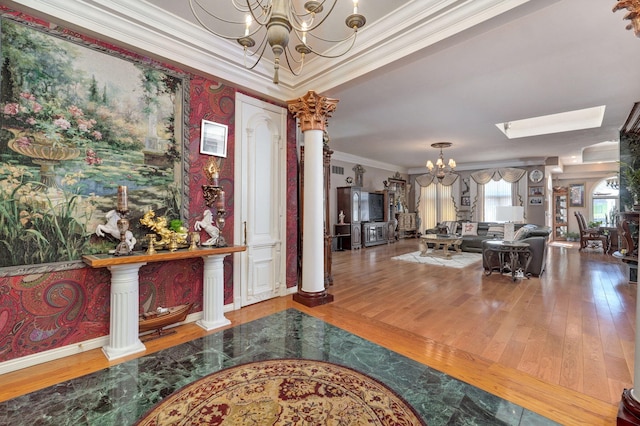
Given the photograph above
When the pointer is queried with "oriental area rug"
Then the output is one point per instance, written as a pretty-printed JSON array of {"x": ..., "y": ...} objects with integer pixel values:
[
  {"x": 457, "y": 260},
  {"x": 284, "y": 392}
]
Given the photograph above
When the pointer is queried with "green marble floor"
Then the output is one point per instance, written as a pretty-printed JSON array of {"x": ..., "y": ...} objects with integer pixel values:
[{"x": 119, "y": 395}]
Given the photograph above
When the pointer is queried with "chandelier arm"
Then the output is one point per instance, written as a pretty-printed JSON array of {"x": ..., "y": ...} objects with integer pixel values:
[
  {"x": 288, "y": 55},
  {"x": 239, "y": 5},
  {"x": 294, "y": 14},
  {"x": 264, "y": 47},
  {"x": 353, "y": 34},
  {"x": 204, "y": 10},
  {"x": 353, "y": 41},
  {"x": 261, "y": 48},
  {"x": 212, "y": 31},
  {"x": 265, "y": 15}
]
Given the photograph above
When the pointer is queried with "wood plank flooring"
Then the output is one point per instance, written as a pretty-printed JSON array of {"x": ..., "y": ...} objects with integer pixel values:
[{"x": 561, "y": 345}]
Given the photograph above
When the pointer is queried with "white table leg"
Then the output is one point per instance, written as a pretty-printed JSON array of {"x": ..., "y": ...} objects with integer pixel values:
[
  {"x": 213, "y": 293},
  {"x": 123, "y": 323}
]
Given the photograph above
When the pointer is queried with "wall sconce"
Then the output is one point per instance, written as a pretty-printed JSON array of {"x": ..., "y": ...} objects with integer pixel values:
[{"x": 214, "y": 196}]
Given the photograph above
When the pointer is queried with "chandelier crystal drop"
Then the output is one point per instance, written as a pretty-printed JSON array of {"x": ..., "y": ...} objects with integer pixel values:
[
  {"x": 274, "y": 22},
  {"x": 440, "y": 170}
]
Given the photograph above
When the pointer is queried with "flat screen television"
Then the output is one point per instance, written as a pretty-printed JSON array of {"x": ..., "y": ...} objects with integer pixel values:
[{"x": 376, "y": 207}]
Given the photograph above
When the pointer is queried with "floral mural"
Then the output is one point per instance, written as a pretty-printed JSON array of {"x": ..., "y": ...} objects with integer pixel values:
[{"x": 77, "y": 121}]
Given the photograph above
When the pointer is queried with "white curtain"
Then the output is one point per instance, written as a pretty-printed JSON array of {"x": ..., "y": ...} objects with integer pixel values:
[{"x": 437, "y": 200}]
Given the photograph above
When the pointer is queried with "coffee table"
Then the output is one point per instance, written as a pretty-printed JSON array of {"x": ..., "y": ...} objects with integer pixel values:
[{"x": 440, "y": 241}]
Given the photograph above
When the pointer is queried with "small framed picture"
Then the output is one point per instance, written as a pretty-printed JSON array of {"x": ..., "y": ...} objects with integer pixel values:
[
  {"x": 536, "y": 201},
  {"x": 576, "y": 195},
  {"x": 465, "y": 200},
  {"x": 536, "y": 191},
  {"x": 213, "y": 138}
]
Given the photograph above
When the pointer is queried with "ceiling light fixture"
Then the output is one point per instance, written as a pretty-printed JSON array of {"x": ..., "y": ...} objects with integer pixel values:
[
  {"x": 274, "y": 21},
  {"x": 441, "y": 169},
  {"x": 633, "y": 6}
]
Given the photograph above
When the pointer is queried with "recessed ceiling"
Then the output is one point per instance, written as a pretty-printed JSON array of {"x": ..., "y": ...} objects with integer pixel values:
[{"x": 587, "y": 118}]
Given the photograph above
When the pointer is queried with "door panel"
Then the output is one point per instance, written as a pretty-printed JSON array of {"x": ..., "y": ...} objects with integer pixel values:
[{"x": 260, "y": 200}]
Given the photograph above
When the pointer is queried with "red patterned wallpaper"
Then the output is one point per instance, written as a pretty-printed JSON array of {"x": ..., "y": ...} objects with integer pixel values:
[{"x": 46, "y": 311}]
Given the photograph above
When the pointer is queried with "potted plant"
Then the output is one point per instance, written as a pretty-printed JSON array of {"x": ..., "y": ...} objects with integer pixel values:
[
  {"x": 594, "y": 224},
  {"x": 632, "y": 183},
  {"x": 573, "y": 236}
]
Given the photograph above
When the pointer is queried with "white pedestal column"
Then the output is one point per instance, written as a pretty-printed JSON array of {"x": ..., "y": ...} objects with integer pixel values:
[
  {"x": 312, "y": 112},
  {"x": 123, "y": 323},
  {"x": 313, "y": 220},
  {"x": 213, "y": 293}
]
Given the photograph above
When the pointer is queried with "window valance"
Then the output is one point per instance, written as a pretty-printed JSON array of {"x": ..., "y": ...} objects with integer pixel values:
[
  {"x": 509, "y": 174},
  {"x": 427, "y": 179}
]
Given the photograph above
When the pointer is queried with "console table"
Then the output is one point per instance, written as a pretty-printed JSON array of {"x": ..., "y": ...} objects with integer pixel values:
[
  {"x": 517, "y": 252},
  {"x": 123, "y": 322}
]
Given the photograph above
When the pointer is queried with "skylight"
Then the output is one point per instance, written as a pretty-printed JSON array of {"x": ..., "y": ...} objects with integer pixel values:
[{"x": 587, "y": 118}]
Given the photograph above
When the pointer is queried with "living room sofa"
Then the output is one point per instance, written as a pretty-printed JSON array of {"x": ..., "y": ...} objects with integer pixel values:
[
  {"x": 487, "y": 231},
  {"x": 535, "y": 235}
]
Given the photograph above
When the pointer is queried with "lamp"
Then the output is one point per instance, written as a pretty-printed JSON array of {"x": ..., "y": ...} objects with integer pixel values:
[
  {"x": 613, "y": 183},
  {"x": 509, "y": 213},
  {"x": 274, "y": 21},
  {"x": 440, "y": 168},
  {"x": 633, "y": 6}
]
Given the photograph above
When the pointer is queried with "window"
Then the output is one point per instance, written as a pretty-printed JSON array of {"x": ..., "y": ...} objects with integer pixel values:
[
  {"x": 605, "y": 201},
  {"x": 496, "y": 193},
  {"x": 436, "y": 205}
]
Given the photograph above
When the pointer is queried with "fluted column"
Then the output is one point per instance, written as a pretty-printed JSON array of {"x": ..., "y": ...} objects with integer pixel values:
[
  {"x": 312, "y": 112},
  {"x": 213, "y": 293},
  {"x": 123, "y": 323}
]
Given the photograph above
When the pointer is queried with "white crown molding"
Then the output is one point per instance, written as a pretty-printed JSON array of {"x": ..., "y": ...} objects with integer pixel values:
[
  {"x": 350, "y": 158},
  {"x": 150, "y": 29},
  {"x": 406, "y": 30}
]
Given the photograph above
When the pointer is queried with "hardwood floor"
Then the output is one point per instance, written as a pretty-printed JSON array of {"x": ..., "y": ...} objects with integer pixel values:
[{"x": 561, "y": 345}]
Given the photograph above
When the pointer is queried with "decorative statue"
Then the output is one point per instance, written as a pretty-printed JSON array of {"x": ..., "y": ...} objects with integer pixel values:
[
  {"x": 160, "y": 226},
  {"x": 111, "y": 228},
  {"x": 207, "y": 224},
  {"x": 341, "y": 217}
]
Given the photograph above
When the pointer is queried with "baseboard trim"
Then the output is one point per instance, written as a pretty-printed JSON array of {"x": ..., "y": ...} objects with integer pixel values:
[{"x": 76, "y": 348}]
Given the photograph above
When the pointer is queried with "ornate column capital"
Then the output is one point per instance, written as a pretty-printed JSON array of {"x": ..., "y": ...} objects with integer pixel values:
[{"x": 312, "y": 110}]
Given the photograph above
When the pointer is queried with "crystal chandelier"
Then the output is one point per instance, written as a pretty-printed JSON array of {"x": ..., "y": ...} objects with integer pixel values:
[
  {"x": 274, "y": 21},
  {"x": 441, "y": 170}
]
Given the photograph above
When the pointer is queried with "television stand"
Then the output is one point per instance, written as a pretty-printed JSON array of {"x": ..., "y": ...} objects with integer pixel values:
[{"x": 375, "y": 233}]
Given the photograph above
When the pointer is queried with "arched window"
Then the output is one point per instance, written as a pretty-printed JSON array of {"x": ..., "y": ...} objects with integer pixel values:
[{"x": 605, "y": 201}]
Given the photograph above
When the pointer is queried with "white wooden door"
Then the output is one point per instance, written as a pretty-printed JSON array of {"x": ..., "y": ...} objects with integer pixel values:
[{"x": 260, "y": 200}]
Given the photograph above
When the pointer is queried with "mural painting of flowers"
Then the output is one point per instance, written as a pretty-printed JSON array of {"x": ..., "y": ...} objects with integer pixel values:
[{"x": 77, "y": 121}]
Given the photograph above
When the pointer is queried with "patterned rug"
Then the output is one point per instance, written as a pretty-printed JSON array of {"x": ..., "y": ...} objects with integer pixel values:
[
  {"x": 458, "y": 260},
  {"x": 283, "y": 392}
]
